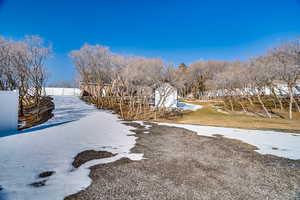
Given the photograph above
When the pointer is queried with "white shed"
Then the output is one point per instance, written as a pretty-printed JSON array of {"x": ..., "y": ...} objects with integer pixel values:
[{"x": 166, "y": 96}]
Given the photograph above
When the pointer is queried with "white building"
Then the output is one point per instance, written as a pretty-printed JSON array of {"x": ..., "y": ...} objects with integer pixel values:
[{"x": 166, "y": 96}]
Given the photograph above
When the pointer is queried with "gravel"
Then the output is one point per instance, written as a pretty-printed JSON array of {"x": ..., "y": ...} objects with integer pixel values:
[{"x": 181, "y": 165}]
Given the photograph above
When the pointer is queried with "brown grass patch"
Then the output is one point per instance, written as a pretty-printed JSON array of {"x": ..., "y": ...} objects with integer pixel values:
[{"x": 211, "y": 117}]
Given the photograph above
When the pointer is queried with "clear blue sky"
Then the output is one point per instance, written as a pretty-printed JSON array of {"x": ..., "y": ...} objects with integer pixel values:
[{"x": 175, "y": 30}]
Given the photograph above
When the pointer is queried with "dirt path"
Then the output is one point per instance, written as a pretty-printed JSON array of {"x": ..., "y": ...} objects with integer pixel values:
[{"x": 182, "y": 165}]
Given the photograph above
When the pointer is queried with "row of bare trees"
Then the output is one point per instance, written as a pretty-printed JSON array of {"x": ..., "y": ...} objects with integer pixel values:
[
  {"x": 22, "y": 67},
  {"x": 269, "y": 80},
  {"x": 272, "y": 77},
  {"x": 124, "y": 82},
  {"x": 98, "y": 65}
]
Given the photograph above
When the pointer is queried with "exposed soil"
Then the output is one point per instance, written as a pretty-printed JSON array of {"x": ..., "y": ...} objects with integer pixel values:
[
  {"x": 88, "y": 155},
  {"x": 46, "y": 174},
  {"x": 39, "y": 183},
  {"x": 183, "y": 165}
]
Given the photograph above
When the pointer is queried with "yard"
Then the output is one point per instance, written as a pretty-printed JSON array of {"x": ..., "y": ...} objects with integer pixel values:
[
  {"x": 87, "y": 153},
  {"x": 183, "y": 100},
  {"x": 211, "y": 116}
]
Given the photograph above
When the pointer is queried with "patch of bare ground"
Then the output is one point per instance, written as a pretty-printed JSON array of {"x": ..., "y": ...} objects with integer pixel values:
[
  {"x": 88, "y": 155},
  {"x": 183, "y": 165},
  {"x": 46, "y": 174}
]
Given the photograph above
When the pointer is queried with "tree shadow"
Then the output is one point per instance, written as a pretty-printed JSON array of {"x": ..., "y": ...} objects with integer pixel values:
[
  {"x": 3, "y": 195},
  {"x": 37, "y": 128}
]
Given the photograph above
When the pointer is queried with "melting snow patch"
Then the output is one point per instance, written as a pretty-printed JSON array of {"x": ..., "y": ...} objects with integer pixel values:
[
  {"x": 25, "y": 156},
  {"x": 286, "y": 144},
  {"x": 188, "y": 106},
  {"x": 147, "y": 126}
]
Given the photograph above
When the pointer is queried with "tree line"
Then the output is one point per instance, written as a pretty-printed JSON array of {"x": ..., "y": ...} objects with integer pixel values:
[{"x": 269, "y": 80}]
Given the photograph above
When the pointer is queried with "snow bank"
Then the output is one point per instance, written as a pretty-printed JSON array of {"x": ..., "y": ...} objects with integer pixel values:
[
  {"x": 266, "y": 141},
  {"x": 9, "y": 105},
  {"x": 188, "y": 106},
  {"x": 26, "y": 155}
]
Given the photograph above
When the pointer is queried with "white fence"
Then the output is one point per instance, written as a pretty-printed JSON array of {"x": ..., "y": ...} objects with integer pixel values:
[
  {"x": 281, "y": 90},
  {"x": 9, "y": 108},
  {"x": 62, "y": 91}
]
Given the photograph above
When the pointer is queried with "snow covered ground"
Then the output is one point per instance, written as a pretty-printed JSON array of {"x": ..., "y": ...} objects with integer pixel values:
[
  {"x": 188, "y": 106},
  {"x": 69, "y": 108},
  {"x": 268, "y": 142},
  {"x": 52, "y": 146}
]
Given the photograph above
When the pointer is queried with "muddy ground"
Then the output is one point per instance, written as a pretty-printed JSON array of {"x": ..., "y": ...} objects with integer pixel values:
[
  {"x": 183, "y": 165},
  {"x": 88, "y": 155}
]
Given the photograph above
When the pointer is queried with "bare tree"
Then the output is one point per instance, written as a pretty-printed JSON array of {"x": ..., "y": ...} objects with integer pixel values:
[
  {"x": 22, "y": 66},
  {"x": 286, "y": 60},
  {"x": 38, "y": 53},
  {"x": 94, "y": 63}
]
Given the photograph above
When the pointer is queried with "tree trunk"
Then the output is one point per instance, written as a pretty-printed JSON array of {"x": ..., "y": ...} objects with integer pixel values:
[
  {"x": 121, "y": 110},
  {"x": 275, "y": 106},
  {"x": 278, "y": 99},
  {"x": 21, "y": 106},
  {"x": 297, "y": 105},
  {"x": 291, "y": 104},
  {"x": 263, "y": 106},
  {"x": 225, "y": 105},
  {"x": 242, "y": 106},
  {"x": 250, "y": 101},
  {"x": 231, "y": 105}
]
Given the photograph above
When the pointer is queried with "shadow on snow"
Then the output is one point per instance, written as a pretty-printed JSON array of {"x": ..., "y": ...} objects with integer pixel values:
[{"x": 37, "y": 128}]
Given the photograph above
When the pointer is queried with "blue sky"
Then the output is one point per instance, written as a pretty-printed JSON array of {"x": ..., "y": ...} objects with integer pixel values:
[{"x": 175, "y": 30}]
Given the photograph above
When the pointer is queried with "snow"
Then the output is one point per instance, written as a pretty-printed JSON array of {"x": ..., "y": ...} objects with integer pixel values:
[
  {"x": 288, "y": 144},
  {"x": 147, "y": 126},
  {"x": 188, "y": 106},
  {"x": 69, "y": 108},
  {"x": 52, "y": 146}
]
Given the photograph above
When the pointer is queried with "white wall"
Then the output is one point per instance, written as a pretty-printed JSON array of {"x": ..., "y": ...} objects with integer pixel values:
[
  {"x": 62, "y": 91},
  {"x": 9, "y": 108},
  {"x": 169, "y": 93},
  {"x": 281, "y": 91}
]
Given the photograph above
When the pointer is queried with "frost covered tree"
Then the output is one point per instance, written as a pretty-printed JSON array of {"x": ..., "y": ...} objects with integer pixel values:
[{"x": 22, "y": 66}]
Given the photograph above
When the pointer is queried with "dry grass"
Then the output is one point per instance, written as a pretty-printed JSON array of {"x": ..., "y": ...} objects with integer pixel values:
[
  {"x": 135, "y": 109},
  {"x": 211, "y": 117}
]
